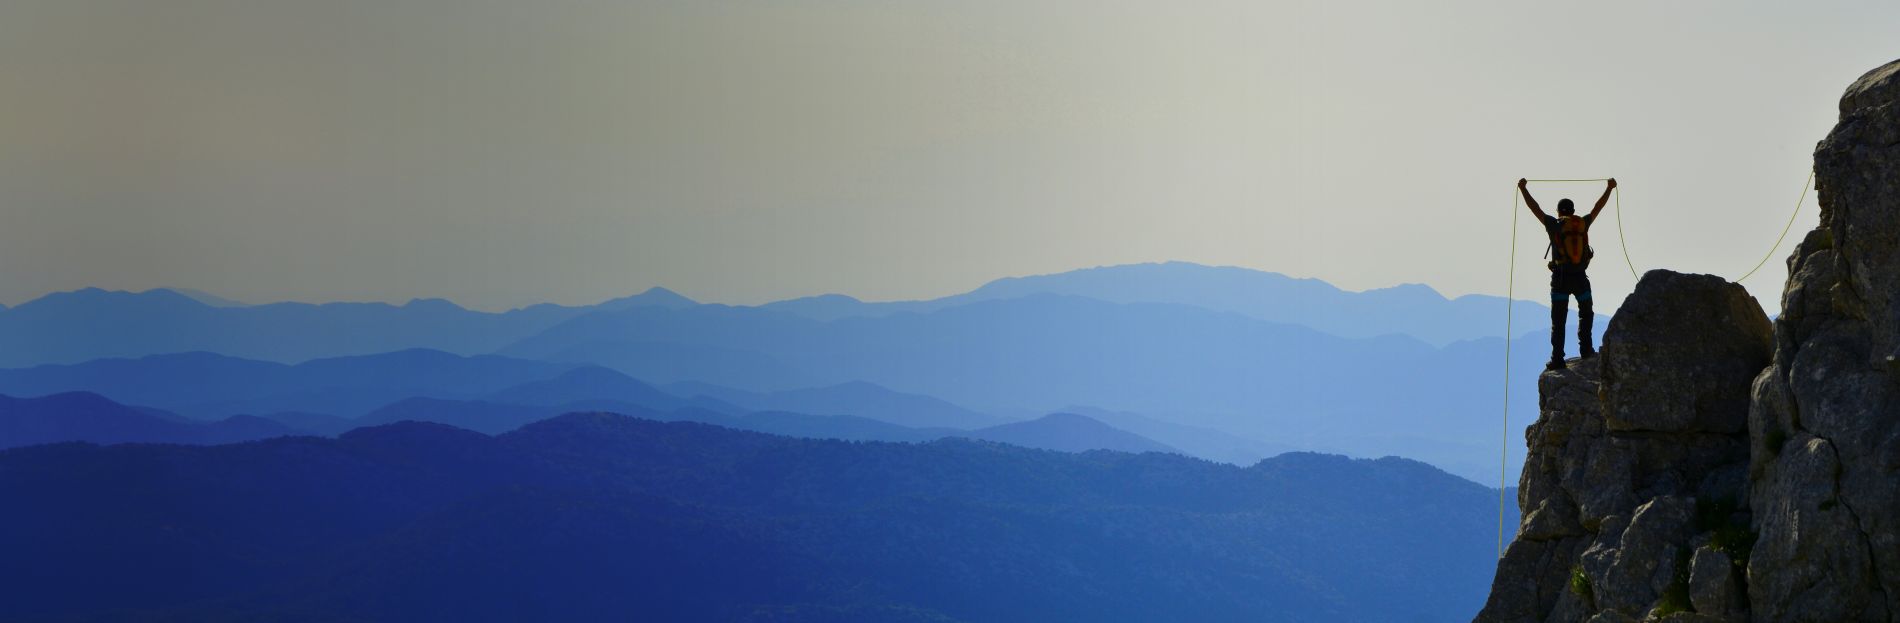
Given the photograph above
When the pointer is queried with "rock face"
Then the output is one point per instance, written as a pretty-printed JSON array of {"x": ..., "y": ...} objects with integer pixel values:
[
  {"x": 1826, "y": 415},
  {"x": 1626, "y": 479},
  {"x": 1712, "y": 466},
  {"x": 1681, "y": 354}
]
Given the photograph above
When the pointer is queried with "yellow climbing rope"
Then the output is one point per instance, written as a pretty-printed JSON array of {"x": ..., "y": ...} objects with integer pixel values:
[
  {"x": 1510, "y": 298},
  {"x": 1510, "y": 304},
  {"x": 1784, "y": 229},
  {"x": 1621, "y": 241}
]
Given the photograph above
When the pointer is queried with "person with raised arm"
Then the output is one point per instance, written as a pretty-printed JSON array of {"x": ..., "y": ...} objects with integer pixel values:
[{"x": 1570, "y": 259}]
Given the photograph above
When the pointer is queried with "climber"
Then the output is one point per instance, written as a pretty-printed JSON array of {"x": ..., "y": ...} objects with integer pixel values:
[{"x": 1570, "y": 257}]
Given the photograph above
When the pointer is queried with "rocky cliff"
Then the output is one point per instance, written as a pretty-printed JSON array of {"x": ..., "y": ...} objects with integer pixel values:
[{"x": 1712, "y": 466}]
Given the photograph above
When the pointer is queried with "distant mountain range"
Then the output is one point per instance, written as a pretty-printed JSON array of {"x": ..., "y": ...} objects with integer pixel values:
[
  {"x": 1069, "y": 432},
  {"x": 71, "y": 327},
  {"x": 1286, "y": 387},
  {"x": 1220, "y": 362},
  {"x": 1202, "y": 442},
  {"x": 602, "y": 517},
  {"x": 1282, "y": 383},
  {"x": 88, "y": 417},
  {"x": 854, "y": 398},
  {"x": 211, "y": 386},
  {"x": 91, "y": 418},
  {"x": 1411, "y": 309}
]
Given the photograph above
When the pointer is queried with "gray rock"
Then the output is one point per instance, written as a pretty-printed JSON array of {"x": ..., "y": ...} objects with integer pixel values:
[
  {"x": 1857, "y": 176},
  {"x": 1809, "y": 562},
  {"x": 1713, "y": 587},
  {"x": 1770, "y": 421},
  {"x": 1533, "y": 579},
  {"x": 1584, "y": 485},
  {"x": 1612, "y": 616},
  {"x": 1681, "y": 354},
  {"x": 1824, "y": 420},
  {"x": 1533, "y": 582},
  {"x": 1645, "y": 561},
  {"x": 1605, "y": 485},
  {"x": 1555, "y": 518}
]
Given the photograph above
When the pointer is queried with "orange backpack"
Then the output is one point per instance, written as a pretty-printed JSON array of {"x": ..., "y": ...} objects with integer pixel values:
[{"x": 1571, "y": 241}]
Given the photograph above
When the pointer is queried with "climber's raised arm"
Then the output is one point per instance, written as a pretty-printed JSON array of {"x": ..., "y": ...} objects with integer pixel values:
[
  {"x": 1522, "y": 187},
  {"x": 1601, "y": 201}
]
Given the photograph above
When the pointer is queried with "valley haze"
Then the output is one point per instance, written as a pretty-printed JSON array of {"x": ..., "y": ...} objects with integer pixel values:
[
  {"x": 1047, "y": 442},
  {"x": 1267, "y": 362}
]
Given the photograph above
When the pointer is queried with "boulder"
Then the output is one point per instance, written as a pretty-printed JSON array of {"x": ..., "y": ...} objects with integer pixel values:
[
  {"x": 1633, "y": 575},
  {"x": 1681, "y": 354},
  {"x": 1713, "y": 588}
]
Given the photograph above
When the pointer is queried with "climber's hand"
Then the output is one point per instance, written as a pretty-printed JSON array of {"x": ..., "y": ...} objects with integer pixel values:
[{"x": 1612, "y": 182}]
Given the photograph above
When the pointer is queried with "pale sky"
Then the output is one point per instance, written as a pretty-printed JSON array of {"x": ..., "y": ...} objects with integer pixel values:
[{"x": 505, "y": 153}]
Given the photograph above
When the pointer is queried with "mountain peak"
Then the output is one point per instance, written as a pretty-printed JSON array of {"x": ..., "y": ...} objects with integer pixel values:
[
  {"x": 655, "y": 296},
  {"x": 1411, "y": 291},
  {"x": 431, "y": 304},
  {"x": 584, "y": 384},
  {"x": 91, "y": 296},
  {"x": 824, "y": 307},
  {"x": 1069, "y": 432},
  {"x": 408, "y": 438},
  {"x": 72, "y": 400},
  {"x": 205, "y": 297}
]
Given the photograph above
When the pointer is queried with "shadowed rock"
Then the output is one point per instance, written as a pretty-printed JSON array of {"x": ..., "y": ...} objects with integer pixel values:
[
  {"x": 1681, "y": 353},
  {"x": 1614, "y": 507},
  {"x": 1825, "y": 419}
]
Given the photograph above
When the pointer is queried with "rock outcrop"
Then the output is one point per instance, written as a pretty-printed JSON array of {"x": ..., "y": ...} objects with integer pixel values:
[
  {"x": 1826, "y": 415},
  {"x": 1713, "y": 466},
  {"x": 1627, "y": 481}
]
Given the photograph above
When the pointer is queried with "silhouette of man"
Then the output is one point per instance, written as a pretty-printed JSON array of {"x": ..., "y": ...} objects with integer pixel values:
[{"x": 1570, "y": 257}]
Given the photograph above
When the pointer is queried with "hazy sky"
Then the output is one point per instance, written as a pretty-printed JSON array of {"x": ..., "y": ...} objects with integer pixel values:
[{"x": 503, "y": 153}]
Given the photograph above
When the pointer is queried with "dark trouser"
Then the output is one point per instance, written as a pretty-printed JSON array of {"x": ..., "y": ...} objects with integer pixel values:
[{"x": 1565, "y": 283}]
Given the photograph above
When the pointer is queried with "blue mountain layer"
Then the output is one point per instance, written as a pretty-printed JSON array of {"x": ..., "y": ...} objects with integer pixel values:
[{"x": 602, "y": 517}]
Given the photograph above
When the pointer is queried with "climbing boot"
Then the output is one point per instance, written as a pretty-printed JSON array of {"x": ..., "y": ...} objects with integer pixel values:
[
  {"x": 1555, "y": 364},
  {"x": 1587, "y": 352}
]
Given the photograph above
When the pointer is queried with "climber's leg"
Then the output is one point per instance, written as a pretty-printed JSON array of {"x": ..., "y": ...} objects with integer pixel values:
[
  {"x": 1585, "y": 318},
  {"x": 1559, "y": 308}
]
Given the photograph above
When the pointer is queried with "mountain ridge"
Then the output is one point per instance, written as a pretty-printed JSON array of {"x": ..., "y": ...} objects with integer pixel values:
[
  {"x": 91, "y": 418},
  {"x": 92, "y": 323},
  {"x": 586, "y": 516}
]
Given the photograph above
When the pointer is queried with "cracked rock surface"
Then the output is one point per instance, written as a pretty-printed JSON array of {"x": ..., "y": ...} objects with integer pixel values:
[
  {"x": 1825, "y": 418},
  {"x": 1616, "y": 508},
  {"x": 1714, "y": 466}
]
